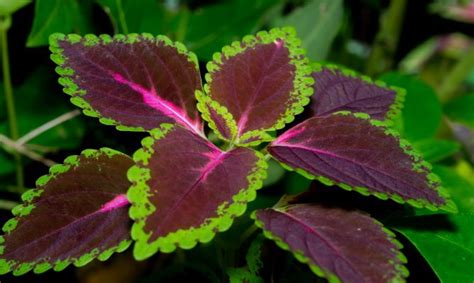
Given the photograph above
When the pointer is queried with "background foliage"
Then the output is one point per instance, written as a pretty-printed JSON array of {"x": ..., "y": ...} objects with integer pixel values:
[{"x": 425, "y": 47}]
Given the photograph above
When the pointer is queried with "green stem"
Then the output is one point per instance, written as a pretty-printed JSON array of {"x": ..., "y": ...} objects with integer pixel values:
[
  {"x": 10, "y": 101},
  {"x": 248, "y": 233},
  {"x": 386, "y": 40},
  {"x": 456, "y": 76},
  {"x": 121, "y": 14}
]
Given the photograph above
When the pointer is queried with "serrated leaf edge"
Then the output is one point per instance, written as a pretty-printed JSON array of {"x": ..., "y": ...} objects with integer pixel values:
[
  {"x": 73, "y": 89},
  {"x": 402, "y": 271},
  {"x": 418, "y": 166},
  {"x": 25, "y": 209},
  {"x": 395, "y": 108},
  {"x": 303, "y": 81},
  {"x": 141, "y": 207}
]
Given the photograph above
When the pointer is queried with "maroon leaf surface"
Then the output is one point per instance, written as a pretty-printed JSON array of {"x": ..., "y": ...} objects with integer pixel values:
[
  {"x": 77, "y": 213},
  {"x": 338, "y": 89},
  {"x": 262, "y": 82},
  {"x": 185, "y": 189},
  {"x": 135, "y": 82},
  {"x": 338, "y": 244},
  {"x": 357, "y": 153}
]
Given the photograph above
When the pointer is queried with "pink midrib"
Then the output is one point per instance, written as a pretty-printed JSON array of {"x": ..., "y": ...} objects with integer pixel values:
[
  {"x": 151, "y": 98},
  {"x": 216, "y": 157},
  {"x": 117, "y": 202}
]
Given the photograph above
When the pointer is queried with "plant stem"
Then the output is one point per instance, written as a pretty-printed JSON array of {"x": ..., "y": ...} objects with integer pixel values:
[
  {"x": 10, "y": 102},
  {"x": 7, "y": 204},
  {"x": 45, "y": 127},
  {"x": 386, "y": 40},
  {"x": 248, "y": 233},
  {"x": 457, "y": 75},
  {"x": 21, "y": 149}
]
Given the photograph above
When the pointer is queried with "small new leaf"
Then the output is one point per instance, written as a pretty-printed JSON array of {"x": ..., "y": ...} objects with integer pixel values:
[
  {"x": 260, "y": 84},
  {"x": 77, "y": 213},
  {"x": 135, "y": 82},
  {"x": 337, "y": 244},
  {"x": 185, "y": 190},
  {"x": 354, "y": 152}
]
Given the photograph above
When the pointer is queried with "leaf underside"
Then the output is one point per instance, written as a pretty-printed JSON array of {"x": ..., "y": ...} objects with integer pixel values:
[
  {"x": 77, "y": 213},
  {"x": 337, "y": 89},
  {"x": 338, "y": 244},
  {"x": 260, "y": 84},
  {"x": 354, "y": 152},
  {"x": 135, "y": 82},
  {"x": 185, "y": 189}
]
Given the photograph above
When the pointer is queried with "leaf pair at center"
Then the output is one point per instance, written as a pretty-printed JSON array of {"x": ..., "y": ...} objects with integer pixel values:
[{"x": 185, "y": 189}]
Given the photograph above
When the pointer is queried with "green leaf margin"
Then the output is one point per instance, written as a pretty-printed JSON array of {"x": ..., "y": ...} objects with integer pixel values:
[
  {"x": 67, "y": 73},
  {"x": 321, "y": 272},
  {"x": 419, "y": 166},
  {"x": 141, "y": 207},
  {"x": 27, "y": 206},
  {"x": 400, "y": 93},
  {"x": 302, "y": 84}
]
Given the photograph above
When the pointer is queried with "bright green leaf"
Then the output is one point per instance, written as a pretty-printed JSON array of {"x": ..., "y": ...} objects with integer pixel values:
[
  {"x": 129, "y": 16},
  {"x": 435, "y": 150},
  {"x": 421, "y": 115},
  {"x": 461, "y": 190},
  {"x": 209, "y": 28},
  {"x": 254, "y": 264},
  {"x": 8, "y": 7},
  {"x": 449, "y": 249},
  {"x": 317, "y": 24},
  {"x": 64, "y": 16},
  {"x": 461, "y": 109}
]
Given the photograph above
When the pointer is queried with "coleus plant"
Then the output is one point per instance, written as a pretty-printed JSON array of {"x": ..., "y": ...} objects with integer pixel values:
[{"x": 180, "y": 188}]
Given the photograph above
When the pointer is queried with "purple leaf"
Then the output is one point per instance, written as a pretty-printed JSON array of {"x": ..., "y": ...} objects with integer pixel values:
[
  {"x": 338, "y": 244},
  {"x": 77, "y": 213},
  {"x": 185, "y": 189},
  {"x": 256, "y": 85},
  {"x": 337, "y": 89},
  {"x": 361, "y": 154},
  {"x": 135, "y": 82}
]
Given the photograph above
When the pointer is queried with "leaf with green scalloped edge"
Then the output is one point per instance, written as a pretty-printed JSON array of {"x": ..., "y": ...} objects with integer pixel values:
[
  {"x": 361, "y": 154},
  {"x": 337, "y": 244},
  {"x": 255, "y": 86},
  {"x": 59, "y": 16},
  {"x": 185, "y": 189},
  {"x": 78, "y": 212},
  {"x": 135, "y": 82},
  {"x": 339, "y": 89}
]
